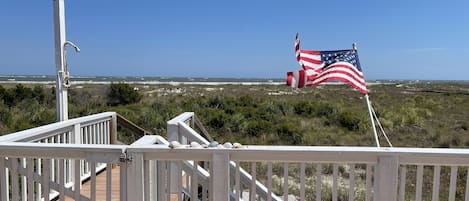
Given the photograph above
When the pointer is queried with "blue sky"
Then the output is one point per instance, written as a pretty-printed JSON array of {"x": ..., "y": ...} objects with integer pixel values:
[{"x": 401, "y": 39}]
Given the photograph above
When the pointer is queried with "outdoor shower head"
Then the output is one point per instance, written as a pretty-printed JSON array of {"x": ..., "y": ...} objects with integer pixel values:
[{"x": 77, "y": 49}]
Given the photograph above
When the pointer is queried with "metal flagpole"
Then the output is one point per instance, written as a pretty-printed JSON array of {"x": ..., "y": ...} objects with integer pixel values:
[{"x": 354, "y": 48}]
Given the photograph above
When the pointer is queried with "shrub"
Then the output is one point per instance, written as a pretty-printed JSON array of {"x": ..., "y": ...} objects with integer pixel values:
[
  {"x": 348, "y": 121},
  {"x": 123, "y": 94}
]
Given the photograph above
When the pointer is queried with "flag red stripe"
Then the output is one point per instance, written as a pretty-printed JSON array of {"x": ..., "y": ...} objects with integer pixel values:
[
  {"x": 314, "y": 61},
  {"x": 339, "y": 69},
  {"x": 347, "y": 76},
  {"x": 348, "y": 82},
  {"x": 311, "y": 52}
]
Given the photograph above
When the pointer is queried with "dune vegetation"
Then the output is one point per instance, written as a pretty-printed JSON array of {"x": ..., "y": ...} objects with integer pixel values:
[{"x": 413, "y": 114}]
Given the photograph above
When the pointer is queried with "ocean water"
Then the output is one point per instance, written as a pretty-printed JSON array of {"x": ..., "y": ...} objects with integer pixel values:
[
  {"x": 185, "y": 80},
  {"x": 104, "y": 79}
]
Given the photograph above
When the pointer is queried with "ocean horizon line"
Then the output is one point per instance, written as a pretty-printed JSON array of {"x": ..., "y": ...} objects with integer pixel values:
[{"x": 182, "y": 79}]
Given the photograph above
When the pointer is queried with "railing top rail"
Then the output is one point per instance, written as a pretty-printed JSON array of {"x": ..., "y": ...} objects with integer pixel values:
[
  {"x": 336, "y": 154},
  {"x": 191, "y": 134},
  {"x": 92, "y": 152},
  {"x": 50, "y": 128},
  {"x": 182, "y": 117}
]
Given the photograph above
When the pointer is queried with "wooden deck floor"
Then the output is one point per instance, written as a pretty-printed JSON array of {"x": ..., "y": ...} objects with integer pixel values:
[{"x": 101, "y": 186}]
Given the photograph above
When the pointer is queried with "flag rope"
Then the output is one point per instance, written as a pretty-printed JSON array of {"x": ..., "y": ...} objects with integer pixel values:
[
  {"x": 381, "y": 127},
  {"x": 372, "y": 120}
]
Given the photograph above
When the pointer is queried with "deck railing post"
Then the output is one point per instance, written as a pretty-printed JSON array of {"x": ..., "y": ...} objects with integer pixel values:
[
  {"x": 76, "y": 137},
  {"x": 113, "y": 129},
  {"x": 135, "y": 180},
  {"x": 220, "y": 179},
  {"x": 386, "y": 178},
  {"x": 174, "y": 170}
]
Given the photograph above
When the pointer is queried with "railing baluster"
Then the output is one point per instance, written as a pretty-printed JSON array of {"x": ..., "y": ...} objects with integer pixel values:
[
  {"x": 108, "y": 181},
  {"x": 93, "y": 134},
  {"x": 335, "y": 170},
  {"x": 14, "y": 178},
  {"x": 52, "y": 164},
  {"x": 205, "y": 192},
  {"x": 93, "y": 181},
  {"x": 352, "y": 182},
  {"x": 179, "y": 179},
  {"x": 88, "y": 141},
  {"x": 452, "y": 183},
  {"x": 147, "y": 178},
  {"x": 77, "y": 182},
  {"x": 302, "y": 181},
  {"x": 100, "y": 132},
  {"x": 237, "y": 181},
  {"x": 24, "y": 182},
  {"x": 38, "y": 184},
  {"x": 107, "y": 138},
  {"x": 30, "y": 180},
  {"x": 46, "y": 178},
  {"x": 61, "y": 179},
  {"x": 368, "y": 176},
  {"x": 104, "y": 135},
  {"x": 154, "y": 180},
  {"x": 467, "y": 185},
  {"x": 436, "y": 183},
  {"x": 252, "y": 192},
  {"x": 285, "y": 181},
  {"x": 85, "y": 135},
  {"x": 195, "y": 181},
  {"x": 403, "y": 177},
  {"x": 69, "y": 161},
  {"x": 269, "y": 181},
  {"x": 418, "y": 186},
  {"x": 4, "y": 180},
  {"x": 106, "y": 132},
  {"x": 161, "y": 182},
  {"x": 318, "y": 181}
]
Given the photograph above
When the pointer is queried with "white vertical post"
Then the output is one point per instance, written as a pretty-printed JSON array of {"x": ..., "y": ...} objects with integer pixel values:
[
  {"x": 386, "y": 178},
  {"x": 135, "y": 180},
  {"x": 372, "y": 120},
  {"x": 123, "y": 181},
  {"x": 174, "y": 170},
  {"x": 59, "y": 34},
  {"x": 220, "y": 168}
]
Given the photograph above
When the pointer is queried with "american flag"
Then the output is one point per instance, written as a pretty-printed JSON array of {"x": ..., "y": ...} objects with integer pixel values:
[{"x": 323, "y": 66}]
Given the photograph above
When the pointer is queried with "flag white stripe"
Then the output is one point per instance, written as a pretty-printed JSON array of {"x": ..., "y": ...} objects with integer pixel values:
[
  {"x": 311, "y": 56},
  {"x": 353, "y": 73},
  {"x": 320, "y": 79},
  {"x": 311, "y": 65}
]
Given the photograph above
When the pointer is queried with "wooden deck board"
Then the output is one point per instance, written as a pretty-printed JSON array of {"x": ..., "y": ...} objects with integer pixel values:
[{"x": 101, "y": 186}]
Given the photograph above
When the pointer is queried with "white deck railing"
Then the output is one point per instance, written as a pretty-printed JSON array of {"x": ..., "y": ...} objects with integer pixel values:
[
  {"x": 93, "y": 129},
  {"x": 181, "y": 129},
  {"x": 311, "y": 173},
  {"x": 292, "y": 172}
]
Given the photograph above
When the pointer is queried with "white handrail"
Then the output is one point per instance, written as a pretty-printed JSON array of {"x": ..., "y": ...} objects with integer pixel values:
[{"x": 50, "y": 129}]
